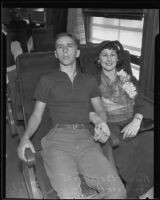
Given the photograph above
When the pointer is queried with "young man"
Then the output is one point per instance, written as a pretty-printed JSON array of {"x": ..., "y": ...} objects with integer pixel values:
[{"x": 69, "y": 147}]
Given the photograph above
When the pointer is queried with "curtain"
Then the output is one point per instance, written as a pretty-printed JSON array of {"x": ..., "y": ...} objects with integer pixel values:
[
  {"x": 150, "y": 31},
  {"x": 75, "y": 24}
]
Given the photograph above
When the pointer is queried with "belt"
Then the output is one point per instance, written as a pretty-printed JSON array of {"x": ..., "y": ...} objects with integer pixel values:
[{"x": 73, "y": 126}]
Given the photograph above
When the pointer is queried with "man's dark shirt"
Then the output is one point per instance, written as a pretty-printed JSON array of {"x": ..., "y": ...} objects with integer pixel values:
[{"x": 67, "y": 102}]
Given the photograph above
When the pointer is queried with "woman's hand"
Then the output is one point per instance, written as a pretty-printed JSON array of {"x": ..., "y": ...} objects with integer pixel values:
[
  {"x": 102, "y": 132},
  {"x": 131, "y": 129},
  {"x": 24, "y": 143}
]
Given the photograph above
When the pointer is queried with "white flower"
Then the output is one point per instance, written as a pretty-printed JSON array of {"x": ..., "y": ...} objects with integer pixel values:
[
  {"x": 127, "y": 85},
  {"x": 123, "y": 75}
]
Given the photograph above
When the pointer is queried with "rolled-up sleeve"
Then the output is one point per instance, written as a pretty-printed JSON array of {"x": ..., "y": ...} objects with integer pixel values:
[
  {"x": 41, "y": 92},
  {"x": 139, "y": 105},
  {"x": 95, "y": 92}
]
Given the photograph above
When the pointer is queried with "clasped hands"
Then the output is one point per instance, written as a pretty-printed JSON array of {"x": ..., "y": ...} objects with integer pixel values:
[{"x": 102, "y": 132}]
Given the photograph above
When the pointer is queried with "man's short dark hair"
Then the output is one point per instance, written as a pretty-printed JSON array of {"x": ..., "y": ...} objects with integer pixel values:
[{"x": 73, "y": 37}]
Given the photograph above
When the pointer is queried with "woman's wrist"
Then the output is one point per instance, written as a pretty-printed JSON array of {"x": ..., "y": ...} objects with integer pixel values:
[
  {"x": 95, "y": 118},
  {"x": 25, "y": 137},
  {"x": 138, "y": 117}
]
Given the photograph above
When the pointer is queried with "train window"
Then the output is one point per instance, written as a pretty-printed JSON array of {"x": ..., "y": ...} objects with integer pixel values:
[
  {"x": 38, "y": 15},
  {"x": 128, "y": 31}
]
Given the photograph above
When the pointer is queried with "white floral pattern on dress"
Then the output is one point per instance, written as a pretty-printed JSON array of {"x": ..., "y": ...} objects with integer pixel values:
[{"x": 127, "y": 85}]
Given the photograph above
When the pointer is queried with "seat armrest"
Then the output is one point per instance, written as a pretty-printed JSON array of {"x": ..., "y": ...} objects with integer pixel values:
[
  {"x": 9, "y": 100},
  {"x": 33, "y": 51},
  {"x": 114, "y": 141},
  {"x": 146, "y": 125},
  {"x": 30, "y": 157}
]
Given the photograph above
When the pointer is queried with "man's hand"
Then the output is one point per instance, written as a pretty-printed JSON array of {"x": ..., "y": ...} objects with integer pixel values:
[
  {"x": 24, "y": 143},
  {"x": 131, "y": 129},
  {"x": 102, "y": 132}
]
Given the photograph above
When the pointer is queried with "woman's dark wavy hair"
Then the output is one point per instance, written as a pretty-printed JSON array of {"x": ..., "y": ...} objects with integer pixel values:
[
  {"x": 115, "y": 45},
  {"x": 73, "y": 37}
]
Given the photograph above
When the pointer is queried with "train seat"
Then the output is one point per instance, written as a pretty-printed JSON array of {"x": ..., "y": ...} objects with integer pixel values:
[
  {"x": 16, "y": 35},
  {"x": 43, "y": 39},
  {"x": 30, "y": 67}
]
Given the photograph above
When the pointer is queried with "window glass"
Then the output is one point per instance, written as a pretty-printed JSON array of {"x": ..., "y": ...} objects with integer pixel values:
[
  {"x": 105, "y": 21},
  {"x": 135, "y": 70},
  {"x": 131, "y": 23},
  {"x": 100, "y": 33},
  {"x": 131, "y": 41}
]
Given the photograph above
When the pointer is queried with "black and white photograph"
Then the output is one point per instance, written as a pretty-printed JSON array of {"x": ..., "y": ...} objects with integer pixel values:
[{"x": 79, "y": 102}]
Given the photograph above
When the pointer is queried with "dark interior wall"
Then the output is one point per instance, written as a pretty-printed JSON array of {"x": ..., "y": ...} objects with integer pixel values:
[
  {"x": 57, "y": 17},
  {"x": 6, "y": 16},
  {"x": 11, "y": 14}
]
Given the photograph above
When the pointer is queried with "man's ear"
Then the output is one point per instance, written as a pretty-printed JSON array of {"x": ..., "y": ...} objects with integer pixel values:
[{"x": 78, "y": 53}]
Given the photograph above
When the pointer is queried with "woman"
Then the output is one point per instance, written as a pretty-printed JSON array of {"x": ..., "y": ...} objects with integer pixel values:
[{"x": 123, "y": 105}]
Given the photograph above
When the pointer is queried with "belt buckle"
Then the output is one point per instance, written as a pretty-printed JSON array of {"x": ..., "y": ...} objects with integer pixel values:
[{"x": 75, "y": 126}]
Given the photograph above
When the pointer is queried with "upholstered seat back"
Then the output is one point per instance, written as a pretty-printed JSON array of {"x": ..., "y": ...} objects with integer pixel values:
[
  {"x": 43, "y": 39},
  {"x": 30, "y": 67},
  {"x": 16, "y": 35}
]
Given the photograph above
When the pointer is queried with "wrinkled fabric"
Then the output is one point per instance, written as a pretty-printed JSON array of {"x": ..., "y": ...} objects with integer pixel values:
[
  {"x": 68, "y": 152},
  {"x": 117, "y": 104},
  {"x": 134, "y": 159}
]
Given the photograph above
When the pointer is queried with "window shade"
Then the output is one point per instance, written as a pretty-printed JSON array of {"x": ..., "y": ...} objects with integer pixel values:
[{"x": 115, "y": 13}]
